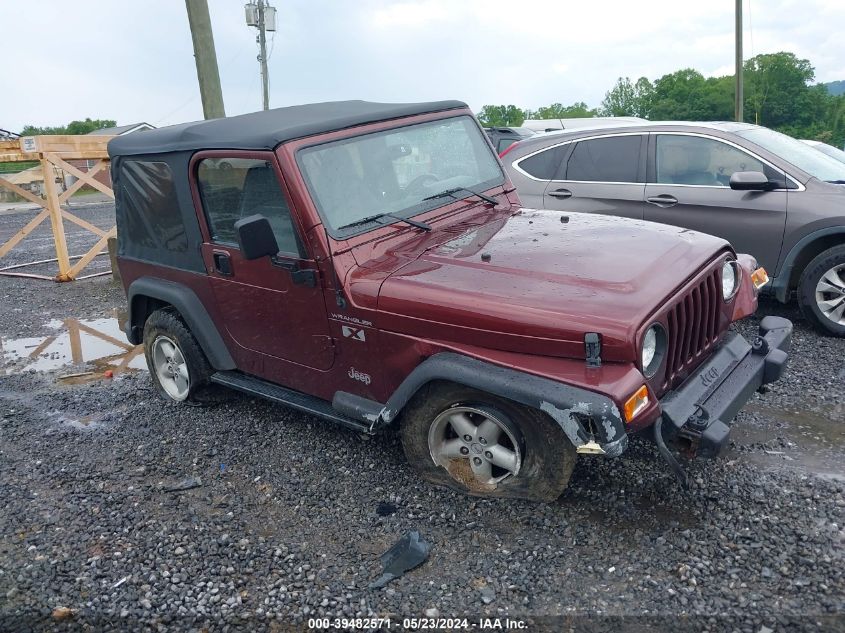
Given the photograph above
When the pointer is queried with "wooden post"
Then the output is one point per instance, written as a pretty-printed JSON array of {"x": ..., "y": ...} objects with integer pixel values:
[
  {"x": 115, "y": 271},
  {"x": 56, "y": 219}
]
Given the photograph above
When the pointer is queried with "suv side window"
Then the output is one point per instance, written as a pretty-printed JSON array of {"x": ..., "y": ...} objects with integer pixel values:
[
  {"x": 544, "y": 165},
  {"x": 235, "y": 188},
  {"x": 608, "y": 159},
  {"x": 696, "y": 160}
]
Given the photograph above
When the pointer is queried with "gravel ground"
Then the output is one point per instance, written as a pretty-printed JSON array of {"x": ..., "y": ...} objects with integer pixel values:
[{"x": 283, "y": 524}]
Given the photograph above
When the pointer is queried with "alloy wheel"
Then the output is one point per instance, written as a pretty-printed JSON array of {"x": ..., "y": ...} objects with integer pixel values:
[
  {"x": 171, "y": 368},
  {"x": 479, "y": 448},
  {"x": 830, "y": 294}
]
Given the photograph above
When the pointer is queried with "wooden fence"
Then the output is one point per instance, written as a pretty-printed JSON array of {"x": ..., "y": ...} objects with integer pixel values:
[{"x": 54, "y": 152}]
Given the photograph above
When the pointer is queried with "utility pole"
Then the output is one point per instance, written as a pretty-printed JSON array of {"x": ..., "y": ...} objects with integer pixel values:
[
  {"x": 206, "y": 59},
  {"x": 261, "y": 15},
  {"x": 738, "y": 92},
  {"x": 262, "y": 56}
]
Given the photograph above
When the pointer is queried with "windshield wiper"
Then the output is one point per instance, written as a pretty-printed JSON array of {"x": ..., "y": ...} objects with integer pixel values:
[
  {"x": 378, "y": 216},
  {"x": 837, "y": 182},
  {"x": 452, "y": 192}
]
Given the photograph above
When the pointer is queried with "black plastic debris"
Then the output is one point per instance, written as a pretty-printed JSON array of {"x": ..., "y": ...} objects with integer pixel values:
[
  {"x": 185, "y": 484},
  {"x": 385, "y": 509},
  {"x": 408, "y": 552}
]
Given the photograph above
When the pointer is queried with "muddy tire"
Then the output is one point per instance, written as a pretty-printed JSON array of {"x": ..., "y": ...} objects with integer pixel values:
[
  {"x": 821, "y": 291},
  {"x": 177, "y": 365},
  {"x": 486, "y": 446}
]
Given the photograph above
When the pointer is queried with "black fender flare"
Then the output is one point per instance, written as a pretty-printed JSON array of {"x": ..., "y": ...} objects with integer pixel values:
[
  {"x": 190, "y": 308},
  {"x": 780, "y": 285},
  {"x": 565, "y": 404}
]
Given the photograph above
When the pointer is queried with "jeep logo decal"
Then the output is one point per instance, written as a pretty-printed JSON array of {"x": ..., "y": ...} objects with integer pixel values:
[
  {"x": 360, "y": 377},
  {"x": 709, "y": 377},
  {"x": 354, "y": 333}
]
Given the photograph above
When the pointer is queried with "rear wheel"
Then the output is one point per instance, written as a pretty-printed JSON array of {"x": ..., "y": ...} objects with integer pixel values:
[
  {"x": 176, "y": 362},
  {"x": 484, "y": 445},
  {"x": 821, "y": 291}
]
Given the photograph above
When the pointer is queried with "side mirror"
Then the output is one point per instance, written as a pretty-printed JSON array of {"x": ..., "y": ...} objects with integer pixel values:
[
  {"x": 255, "y": 237},
  {"x": 751, "y": 181}
]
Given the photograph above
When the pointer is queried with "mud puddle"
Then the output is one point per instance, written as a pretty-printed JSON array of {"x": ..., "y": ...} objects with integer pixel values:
[
  {"x": 809, "y": 440},
  {"x": 85, "y": 422},
  {"x": 77, "y": 350}
]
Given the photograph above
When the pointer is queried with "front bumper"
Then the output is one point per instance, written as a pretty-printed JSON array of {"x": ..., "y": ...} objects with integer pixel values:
[{"x": 699, "y": 412}]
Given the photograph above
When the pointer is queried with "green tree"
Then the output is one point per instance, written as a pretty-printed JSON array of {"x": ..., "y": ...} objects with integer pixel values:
[
  {"x": 74, "y": 127},
  {"x": 501, "y": 116},
  {"x": 777, "y": 90},
  {"x": 680, "y": 95},
  {"x": 577, "y": 110},
  {"x": 628, "y": 99}
]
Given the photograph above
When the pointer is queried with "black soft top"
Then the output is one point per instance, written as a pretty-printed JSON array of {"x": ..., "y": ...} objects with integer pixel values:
[{"x": 267, "y": 129}]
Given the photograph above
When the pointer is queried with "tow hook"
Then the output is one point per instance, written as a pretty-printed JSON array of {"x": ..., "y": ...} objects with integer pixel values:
[{"x": 666, "y": 454}]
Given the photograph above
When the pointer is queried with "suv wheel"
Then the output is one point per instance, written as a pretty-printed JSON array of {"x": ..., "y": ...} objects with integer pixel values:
[
  {"x": 821, "y": 291},
  {"x": 483, "y": 445},
  {"x": 176, "y": 362}
]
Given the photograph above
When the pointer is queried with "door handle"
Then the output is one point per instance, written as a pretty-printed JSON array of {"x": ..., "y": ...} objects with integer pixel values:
[
  {"x": 223, "y": 264},
  {"x": 663, "y": 200},
  {"x": 560, "y": 193}
]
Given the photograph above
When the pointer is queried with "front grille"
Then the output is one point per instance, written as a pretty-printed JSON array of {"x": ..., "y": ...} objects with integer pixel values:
[{"x": 693, "y": 327}]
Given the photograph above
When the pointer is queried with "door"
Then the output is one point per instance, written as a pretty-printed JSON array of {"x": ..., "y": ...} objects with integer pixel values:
[
  {"x": 272, "y": 308},
  {"x": 689, "y": 186},
  {"x": 601, "y": 175}
]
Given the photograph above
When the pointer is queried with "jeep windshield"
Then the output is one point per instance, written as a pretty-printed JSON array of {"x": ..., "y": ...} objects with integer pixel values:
[
  {"x": 800, "y": 154},
  {"x": 364, "y": 182}
]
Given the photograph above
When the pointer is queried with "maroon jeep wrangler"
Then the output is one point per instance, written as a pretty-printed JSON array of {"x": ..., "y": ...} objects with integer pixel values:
[{"x": 370, "y": 263}]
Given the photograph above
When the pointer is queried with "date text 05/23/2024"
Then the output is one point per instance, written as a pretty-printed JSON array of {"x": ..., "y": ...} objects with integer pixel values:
[{"x": 417, "y": 624}]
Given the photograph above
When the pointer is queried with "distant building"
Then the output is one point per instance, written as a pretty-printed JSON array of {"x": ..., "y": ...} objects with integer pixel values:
[{"x": 120, "y": 130}]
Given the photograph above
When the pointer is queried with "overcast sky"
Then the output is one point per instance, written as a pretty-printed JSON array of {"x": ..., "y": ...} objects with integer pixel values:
[{"x": 133, "y": 61}]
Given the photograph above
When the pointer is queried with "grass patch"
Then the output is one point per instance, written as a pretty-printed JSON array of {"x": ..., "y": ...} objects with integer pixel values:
[{"x": 13, "y": 168}]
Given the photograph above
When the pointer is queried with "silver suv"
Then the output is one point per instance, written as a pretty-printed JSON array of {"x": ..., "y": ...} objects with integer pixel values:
[{"x": 767, "y": 193}]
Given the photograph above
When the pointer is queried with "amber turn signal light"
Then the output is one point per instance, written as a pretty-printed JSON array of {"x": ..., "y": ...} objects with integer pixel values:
[
  {"x": 759, "y": 278},
  {"x": 636, "y": 403}
]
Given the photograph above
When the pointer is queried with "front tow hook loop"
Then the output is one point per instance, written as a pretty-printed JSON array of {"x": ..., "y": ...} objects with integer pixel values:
[{"x": 666, "y": 454}]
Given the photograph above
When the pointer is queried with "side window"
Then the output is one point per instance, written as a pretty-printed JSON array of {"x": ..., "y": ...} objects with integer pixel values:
[
  {"x": 695, "y": 160},
  {"x": 235, "y": 188},
  {"x": 153, "y": 218},
  {"x": 609, "y": 159},
  {"x": 544, "y": 165}
]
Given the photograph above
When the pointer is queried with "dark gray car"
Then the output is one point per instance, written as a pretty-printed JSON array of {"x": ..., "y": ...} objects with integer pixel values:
[{"x": 768, "y": 194}]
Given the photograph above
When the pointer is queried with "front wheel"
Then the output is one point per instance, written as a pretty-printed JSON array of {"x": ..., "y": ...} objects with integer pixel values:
[
  {"x": 484, "y": 445},
  {"x": 176, "y": 362},
  {"x": 821, "y": 291}
]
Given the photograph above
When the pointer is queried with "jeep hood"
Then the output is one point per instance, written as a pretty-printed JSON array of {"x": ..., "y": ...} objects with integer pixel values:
[{"x": 537, "y": 281}]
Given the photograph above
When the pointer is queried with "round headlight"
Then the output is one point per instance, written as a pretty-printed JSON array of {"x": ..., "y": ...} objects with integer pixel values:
[
  {"x": 654, "y": 343},
  {"x": 730, "y": 280}
]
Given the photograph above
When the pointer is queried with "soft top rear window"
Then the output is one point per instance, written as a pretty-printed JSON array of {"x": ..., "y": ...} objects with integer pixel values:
[{"x": 151, "y": 209}]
